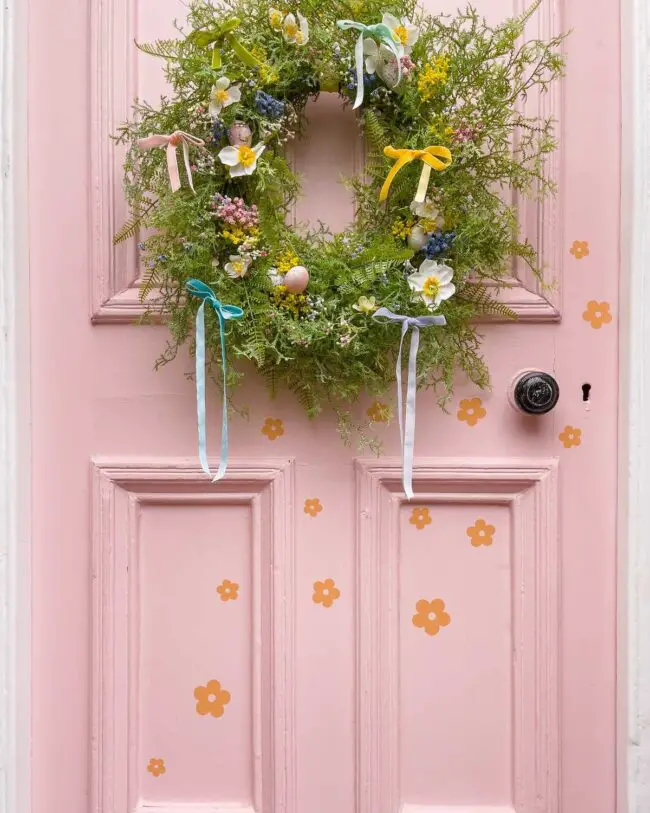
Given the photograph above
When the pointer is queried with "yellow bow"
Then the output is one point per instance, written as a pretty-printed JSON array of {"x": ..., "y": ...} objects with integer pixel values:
[{"x": 431, "y": 159}]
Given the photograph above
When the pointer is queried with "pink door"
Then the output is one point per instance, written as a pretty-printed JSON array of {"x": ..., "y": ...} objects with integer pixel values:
[{"x": 300, "y": 638}]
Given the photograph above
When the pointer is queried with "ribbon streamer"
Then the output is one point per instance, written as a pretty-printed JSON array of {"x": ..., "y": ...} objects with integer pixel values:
[
  {"x": 379, "y": 32},
  {"x": 223, "y": 35},
  {"x": 223, "y": 312},
  {"x": 407, "y": 425},
  {"x": 430, "y": 157},
  {"x": 171, "y": 142}
]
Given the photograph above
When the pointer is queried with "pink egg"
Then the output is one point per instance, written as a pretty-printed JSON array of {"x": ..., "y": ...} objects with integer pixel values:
[{"x": 296, "y": 279}]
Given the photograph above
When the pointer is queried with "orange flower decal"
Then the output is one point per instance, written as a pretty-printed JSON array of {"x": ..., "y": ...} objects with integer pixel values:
[
  {"x": 579, "y": 249},
  {"x": 420, "y": 518},
  {"x": 597, "y": 314},
  {"x": 431, "y": 615},
  {"x": 228, "y": 590},
  {"x": 481, "y": 533},
  {"x": 325, "y": 593},
  {"x": 273, "y": 428},
  {"x": 211, "y": 699},
  {"x": 379, "y": 413},
  {"x": 313, "y": 507},
  {"x": 471, "y": 410},
  {"x": 156, "y": 767},
  {"x": 570, "y": 436}
]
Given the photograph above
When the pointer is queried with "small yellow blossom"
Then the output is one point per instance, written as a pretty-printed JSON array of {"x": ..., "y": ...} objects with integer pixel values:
[
  {"x": 433, "y": 74},
  {"x": 366, "y": 304},
  {"x": 286, "y": 261},
  {"x": 235, "y": 235},
  {"x": 295, "y": 304},
  {"x": 402, "y": 228}
]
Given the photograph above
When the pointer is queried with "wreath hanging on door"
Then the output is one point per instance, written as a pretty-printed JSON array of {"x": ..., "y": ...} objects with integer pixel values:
[{"x": 440, "y": 104}]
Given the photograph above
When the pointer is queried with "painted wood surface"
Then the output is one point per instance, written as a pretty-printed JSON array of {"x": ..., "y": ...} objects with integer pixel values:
[{"x": 300, "y": 639}]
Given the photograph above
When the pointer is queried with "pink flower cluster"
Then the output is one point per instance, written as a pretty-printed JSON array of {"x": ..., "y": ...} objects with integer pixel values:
[
  {"x": 235, "y": 212},
  {"x": 466, "y": 133},
  {"x": 407, "y": 65}
]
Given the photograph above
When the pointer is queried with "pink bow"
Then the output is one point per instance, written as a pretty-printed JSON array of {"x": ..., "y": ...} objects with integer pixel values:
[{"x": 171, "y": 142}]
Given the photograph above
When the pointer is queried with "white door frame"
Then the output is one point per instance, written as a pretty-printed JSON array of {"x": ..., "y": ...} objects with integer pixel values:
[
  {"x": 634, "y": 439},
  {"x": 634, "y": 497},
  {"x": 14, "y": 414}
]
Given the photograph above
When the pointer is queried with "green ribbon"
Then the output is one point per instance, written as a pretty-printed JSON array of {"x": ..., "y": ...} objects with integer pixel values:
[{"x": 221, "y": 36}]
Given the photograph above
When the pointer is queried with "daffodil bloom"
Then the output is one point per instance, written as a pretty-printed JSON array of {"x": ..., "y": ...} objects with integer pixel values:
[
  {"x": 432, "y": 281},
  {"x": 241, "y": 160},
  {"x": 427, "y": 211},
  {"x": 404, "y": 33},
  {"x": 295, "y": 32},
  {"x": 365, "y": 304},
  {"x": 238, "y": 266},
  {"x": 222, "y": 95},
  {"x": 275, "y": 19}
]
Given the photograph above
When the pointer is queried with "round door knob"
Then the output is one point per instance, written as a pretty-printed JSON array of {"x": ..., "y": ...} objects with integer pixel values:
[{"x": 535, "y": 393}]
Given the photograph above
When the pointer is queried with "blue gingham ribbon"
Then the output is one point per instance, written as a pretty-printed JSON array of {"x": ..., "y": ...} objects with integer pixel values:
[
  {"x": 407, "y": 423},
  {"x": 380, "y": 33},
  {"x": 206, "y": 294}
]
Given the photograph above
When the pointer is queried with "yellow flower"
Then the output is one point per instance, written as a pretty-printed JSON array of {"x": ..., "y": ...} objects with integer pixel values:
[
  {"x": 435, "y": 73},
  {"x": 402, "y": 228},
  {"x": 431, "y": 615},
  {"x": 325, "y": 593},
  {"x": 228, "y": 590},
  {"x": 481, "y": 533},
  {"x": 286, "y": 261},
  {"x": 235, "y": 235},
  {"x": 211, "y": 699},
  {"x": 296, "y": 304},
  {"x": 275, "y": 19},
  {"x": 365, "y": 304}
]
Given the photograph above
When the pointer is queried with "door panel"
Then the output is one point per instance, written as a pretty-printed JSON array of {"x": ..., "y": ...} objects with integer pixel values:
[{"x": 372, "y": 655}]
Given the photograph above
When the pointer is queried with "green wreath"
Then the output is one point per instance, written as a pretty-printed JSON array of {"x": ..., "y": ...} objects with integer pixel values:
[{"x": 436, "y": 96}]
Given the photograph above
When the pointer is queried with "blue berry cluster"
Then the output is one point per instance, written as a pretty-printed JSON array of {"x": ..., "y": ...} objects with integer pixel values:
[
  {"x": 268, "y": 106},
  {"x": 439, "y": 243},
  {"x": 218, "y": 131},
  {"x": 369, "y": 80}
]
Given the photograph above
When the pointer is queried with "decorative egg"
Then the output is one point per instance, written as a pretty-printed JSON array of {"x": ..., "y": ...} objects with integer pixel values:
[
  {"x": 296, "y": 279},
  {"x": 239, "y": 134},
  {"x": 418, "y": 238}
]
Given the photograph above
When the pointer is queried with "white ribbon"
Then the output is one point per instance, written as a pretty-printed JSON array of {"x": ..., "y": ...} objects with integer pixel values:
[{"x": 407, "y": 423}]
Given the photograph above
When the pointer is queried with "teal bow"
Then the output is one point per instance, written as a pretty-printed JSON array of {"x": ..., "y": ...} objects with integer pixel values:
[
  {"x": 206, "y": 294},
  {"x": 380, "y": 33}
]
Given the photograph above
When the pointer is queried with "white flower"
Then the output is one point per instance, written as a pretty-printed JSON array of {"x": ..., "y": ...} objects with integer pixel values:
[
  {"x": 238, "y": 266},
  {"x": 365, "y": 304},
  {"x": 275, "y": 19},
  {"x": 403, "y": 32},
  {"x": 296, "y": 32},
  {"x": 433, "y": 282},
  {"x": 222, "y": 95},
  {"x": 382, "y": 61},
  {"x": 241, "y": 160},
  {"x": 427, "y": 211},
  {"x": 275, "y": 276}
]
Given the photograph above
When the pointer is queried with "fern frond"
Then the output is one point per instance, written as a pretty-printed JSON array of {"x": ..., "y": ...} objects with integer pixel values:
[
  {"x": 480, "y": 296},
  {"x": 130, "y": 228},
  {"x": 165, "y": 49}
]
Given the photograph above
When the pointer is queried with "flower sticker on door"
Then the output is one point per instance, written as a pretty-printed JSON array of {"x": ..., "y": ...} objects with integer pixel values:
[
  {"x": 597, "y": 314},
  {"x": 481, "y": 533},
  {"x": 156, "y": 767},
  {"x": 313, "y": 507},
  {"x": 325, "y": 593},
  {"x": 228, "y": 591},
  {"x": 579, "y": 249},
  {"x": 273, "y": 428},
  {"x": 570, "y": 436},
  {"x": 471, "y": 410},
  {"x": 431, "y": 615},
  {"x": 211, "y": 699},
  {"x": 420, "y": 517}
]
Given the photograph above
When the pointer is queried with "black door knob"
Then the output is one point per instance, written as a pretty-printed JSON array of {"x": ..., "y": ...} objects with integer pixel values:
[{"x": 536, "y": 393}]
